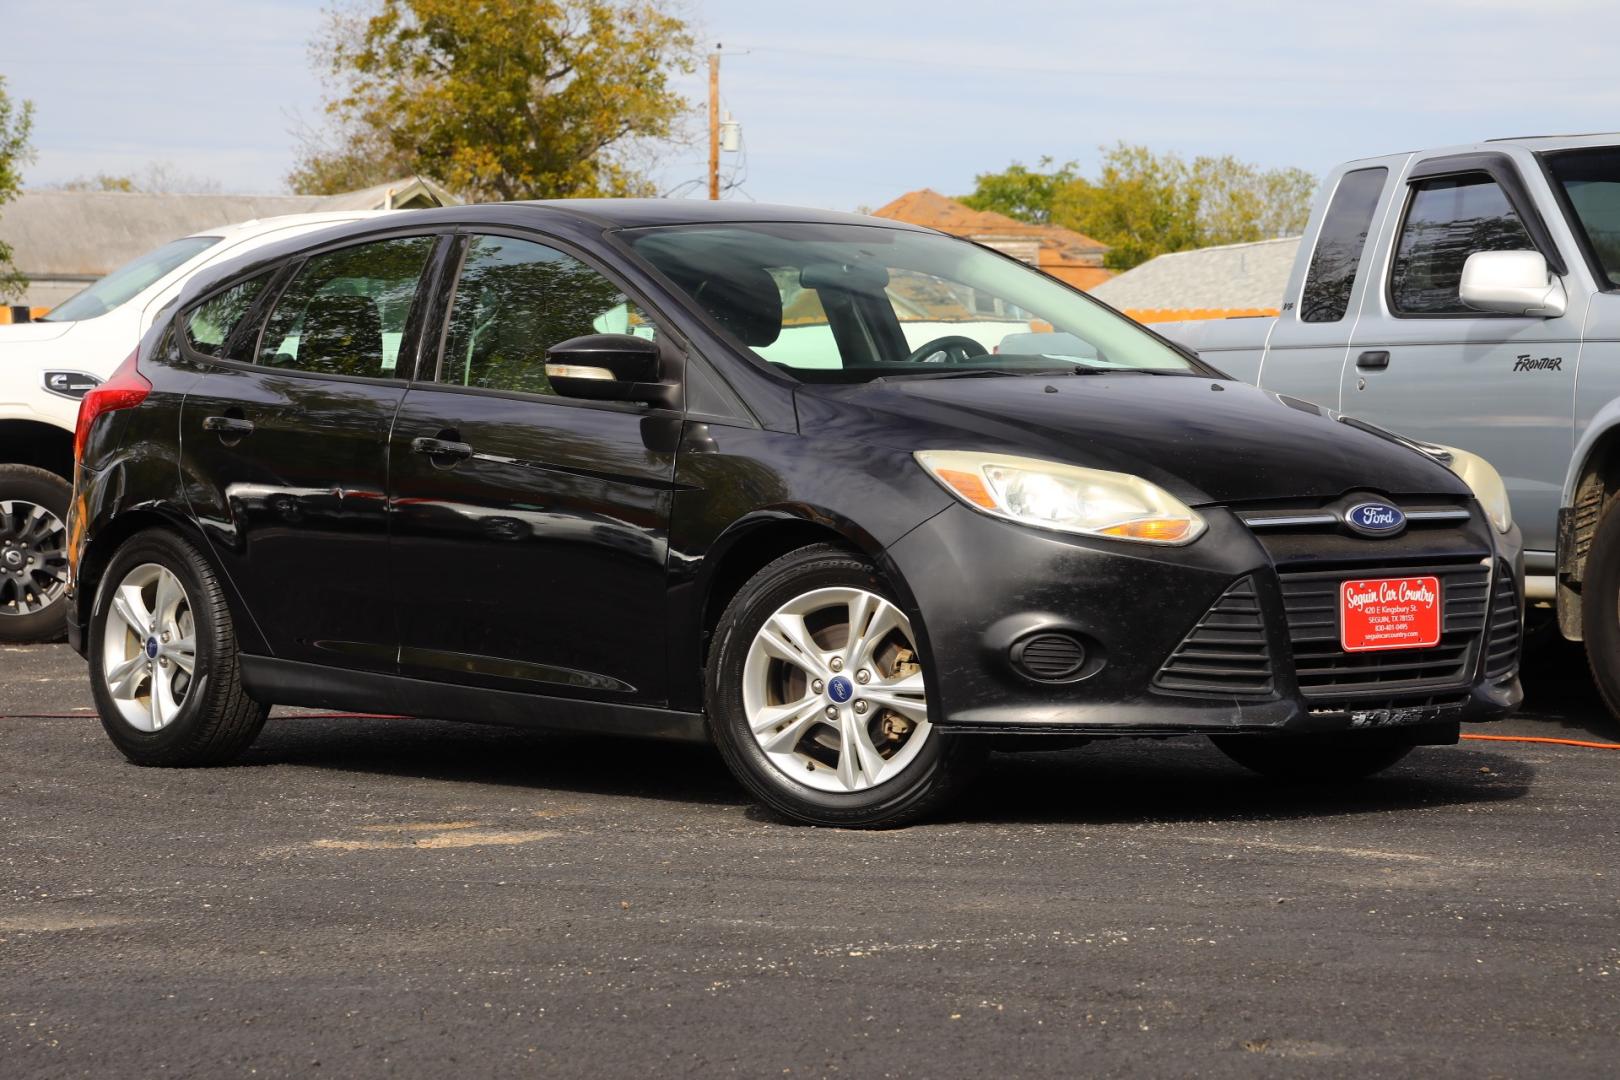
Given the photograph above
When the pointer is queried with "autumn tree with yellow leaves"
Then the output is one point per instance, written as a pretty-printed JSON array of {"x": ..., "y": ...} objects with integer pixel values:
[{"x": 497, "y": 99}]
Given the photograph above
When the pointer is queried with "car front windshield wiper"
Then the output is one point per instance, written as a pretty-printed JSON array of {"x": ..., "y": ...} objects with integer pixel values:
[{"x": 970, "y": 373}]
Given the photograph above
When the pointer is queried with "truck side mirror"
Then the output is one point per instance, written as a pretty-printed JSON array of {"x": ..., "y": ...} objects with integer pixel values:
[{"x": 1512, "y": 282}]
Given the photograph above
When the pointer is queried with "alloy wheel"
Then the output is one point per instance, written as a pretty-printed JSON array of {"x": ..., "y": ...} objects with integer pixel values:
[
  {"x": 833, "y": 690},
  {"x": 149, "y": 651},
  {"x": 33, "y": 557}
]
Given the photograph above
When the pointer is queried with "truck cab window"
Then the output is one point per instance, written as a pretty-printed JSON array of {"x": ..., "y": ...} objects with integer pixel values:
[
  {"x": 1332, "y": 275},
  {"x": 1447, "y": 220}
]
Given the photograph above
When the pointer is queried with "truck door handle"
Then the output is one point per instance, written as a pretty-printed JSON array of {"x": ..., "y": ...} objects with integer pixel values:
[
  {"x": 228, "y": 427},
  {"x": 446, "y": 451},
  {"x": 1373, "y": 360}
]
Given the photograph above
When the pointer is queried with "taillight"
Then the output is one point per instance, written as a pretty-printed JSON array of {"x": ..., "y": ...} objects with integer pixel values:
[{"x": 125, "y": 389}]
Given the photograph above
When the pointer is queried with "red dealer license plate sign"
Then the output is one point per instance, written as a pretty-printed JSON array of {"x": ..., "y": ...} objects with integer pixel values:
[{"x": 1389, "y": 613}]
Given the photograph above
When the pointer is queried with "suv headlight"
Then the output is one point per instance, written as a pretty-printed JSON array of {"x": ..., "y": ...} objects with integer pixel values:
[
  {"x": 1067, "y": 498},
  {"x": 1482, "y": 479}
]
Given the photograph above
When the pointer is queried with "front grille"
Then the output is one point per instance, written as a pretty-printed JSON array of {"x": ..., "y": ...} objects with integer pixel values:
[
  {"x": 1225, "y": 655},
  {"x": 1502, "y": 651},
  {"x": 1324, "y": 669}
]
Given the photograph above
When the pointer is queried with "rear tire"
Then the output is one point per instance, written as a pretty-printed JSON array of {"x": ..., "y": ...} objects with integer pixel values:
[
  {"x": 1600, "y": 608},
  {"x": 159, "y": 610},
  {"x": 1332, "y": 758},
  {"x": 33, "y": 554},
  {"x": 841, "y": 734}
]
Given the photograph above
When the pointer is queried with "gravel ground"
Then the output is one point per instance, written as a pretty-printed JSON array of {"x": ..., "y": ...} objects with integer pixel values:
[{"x": 416, "y": 898}]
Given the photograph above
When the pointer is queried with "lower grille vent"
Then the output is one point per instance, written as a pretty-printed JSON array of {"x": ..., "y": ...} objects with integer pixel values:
[
  {"x": 1226, "y": 654},
  {"x": 1502, "y": 652}
]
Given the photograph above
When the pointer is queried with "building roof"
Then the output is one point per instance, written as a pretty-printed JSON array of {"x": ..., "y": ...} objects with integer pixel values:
[
  {"x": 1065, "y": 254},
  {"x": 85, "y": 234},
  {"x": 1227, "y": 278}
]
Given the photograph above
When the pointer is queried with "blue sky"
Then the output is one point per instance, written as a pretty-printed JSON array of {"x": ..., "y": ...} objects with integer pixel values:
[{"x": 846, "y": 104}]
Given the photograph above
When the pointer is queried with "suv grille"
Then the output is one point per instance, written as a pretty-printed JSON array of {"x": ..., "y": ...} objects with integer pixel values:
[
  {"x": 1502, "y": 652},
  {"x": 1324, "y": 669},
  {"x": 1225, "y": 654}
]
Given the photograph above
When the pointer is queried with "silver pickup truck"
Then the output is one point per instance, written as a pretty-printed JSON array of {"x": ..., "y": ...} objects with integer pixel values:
[{"x": 1470, "y": 296}]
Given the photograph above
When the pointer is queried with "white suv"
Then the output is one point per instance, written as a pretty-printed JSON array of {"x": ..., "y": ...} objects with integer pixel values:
[{"x": 47, "y": 366}]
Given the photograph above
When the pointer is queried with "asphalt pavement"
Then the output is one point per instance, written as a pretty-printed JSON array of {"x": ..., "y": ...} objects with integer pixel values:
[{"x": 424, "y": 899}]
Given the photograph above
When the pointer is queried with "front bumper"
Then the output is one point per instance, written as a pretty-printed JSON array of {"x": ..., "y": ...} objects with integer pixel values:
[{"x": 982, "y": 586}]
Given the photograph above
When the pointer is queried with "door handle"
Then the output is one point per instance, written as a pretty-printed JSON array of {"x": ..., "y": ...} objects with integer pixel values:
[
  {"x": 442, "y": 448},
  {"x": 1373, "y": 360},
  {"x": 228, "y": 426}
]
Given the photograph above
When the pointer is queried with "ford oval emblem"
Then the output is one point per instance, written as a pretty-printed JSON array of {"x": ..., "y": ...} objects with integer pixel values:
[
  {"x": 840, "y": 689},
  {"x": 1375, "y": 519}
]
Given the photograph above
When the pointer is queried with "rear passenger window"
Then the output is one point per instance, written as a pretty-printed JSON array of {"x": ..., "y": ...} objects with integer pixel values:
[
  {"x": 1448, "y": 220},
  {"x": 1332, "y": 273},
  {"x": 210, "y": 324},
  {"x": 345, "y": 311},
  {"x": 514, "y": 300}
]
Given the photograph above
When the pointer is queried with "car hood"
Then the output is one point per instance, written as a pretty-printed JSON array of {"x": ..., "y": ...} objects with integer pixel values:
[
  {"x": 1205, "y": 441},
  {"x": 19, "y": 333}
]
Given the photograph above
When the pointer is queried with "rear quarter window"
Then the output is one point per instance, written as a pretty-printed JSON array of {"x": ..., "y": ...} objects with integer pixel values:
[
  {"x": 211, "y": 325},
  {"x": 1339, "y": 246}
]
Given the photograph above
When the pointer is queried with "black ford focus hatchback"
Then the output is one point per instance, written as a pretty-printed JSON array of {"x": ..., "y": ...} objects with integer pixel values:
[{"x": 854, "y": 500}]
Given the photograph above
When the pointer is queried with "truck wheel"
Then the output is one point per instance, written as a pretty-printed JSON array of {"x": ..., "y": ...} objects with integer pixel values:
[
  {"x": 1600, "y": 608},
  {"x": 33, "y": 554}
]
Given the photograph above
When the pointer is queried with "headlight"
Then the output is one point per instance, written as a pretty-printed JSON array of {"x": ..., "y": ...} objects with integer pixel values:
[
  {"x": 1483, "y": 480},
  {"x": 1067, "y": 498}
]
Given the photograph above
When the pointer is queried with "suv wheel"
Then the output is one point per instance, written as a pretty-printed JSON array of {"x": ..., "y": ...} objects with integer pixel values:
[
  {"x": 163, "y": 659},
  {"x": 33, "y": 554},
  {"x": 818, "y": 701}
]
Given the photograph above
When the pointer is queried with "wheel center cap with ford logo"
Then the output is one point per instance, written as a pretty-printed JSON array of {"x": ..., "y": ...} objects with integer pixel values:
[
  {"x": 840, "y": 689},
  {"x": 1375, "y": 519},
  {"x": 152, "y": 647}
]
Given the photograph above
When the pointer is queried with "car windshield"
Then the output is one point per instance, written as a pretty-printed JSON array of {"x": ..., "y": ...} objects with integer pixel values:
[
  {"x": 129, "y": 279},
  {"x": 1591, "y": 183},
  {"x": 851, "y": 303}
]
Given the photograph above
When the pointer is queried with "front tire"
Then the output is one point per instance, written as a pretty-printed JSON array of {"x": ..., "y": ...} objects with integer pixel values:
[
  {"x": 33, "y": 554},
  {"x": 1332, "y": 758},
  {"x": 818, "y": 700},
  {"x": 163, "y": 658}
]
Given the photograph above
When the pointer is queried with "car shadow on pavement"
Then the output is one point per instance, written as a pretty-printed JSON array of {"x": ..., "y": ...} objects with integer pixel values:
[
  {"x": 505, "y": 756},
  {"x": 1107, "y": 781},
  {"x": 1128, "y": 781},
  {"x": 1559, "y": 694}
]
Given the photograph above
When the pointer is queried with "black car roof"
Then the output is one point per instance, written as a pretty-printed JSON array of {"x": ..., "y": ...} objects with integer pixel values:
[{"x": 577, "y": 219}]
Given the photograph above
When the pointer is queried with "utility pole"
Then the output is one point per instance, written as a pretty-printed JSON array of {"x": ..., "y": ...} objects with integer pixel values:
[{"x": 714, "y": 123}]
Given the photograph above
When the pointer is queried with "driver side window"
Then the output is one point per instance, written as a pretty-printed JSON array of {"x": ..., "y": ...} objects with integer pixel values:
[{"x": 514, "y": 300}]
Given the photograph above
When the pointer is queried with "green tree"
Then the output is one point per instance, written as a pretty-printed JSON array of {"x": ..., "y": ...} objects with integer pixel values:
[
  {"x": 497, "y": 99},
  {"x": 16, "y": 123},
  {"x": 1144, "y": 204},
  {"x": 1020, "y": 192}
]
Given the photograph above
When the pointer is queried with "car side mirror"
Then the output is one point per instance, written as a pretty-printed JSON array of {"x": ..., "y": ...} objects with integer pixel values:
[
  {"x": 608, "y": 367},
  {"x": 1512, "y": 282}
]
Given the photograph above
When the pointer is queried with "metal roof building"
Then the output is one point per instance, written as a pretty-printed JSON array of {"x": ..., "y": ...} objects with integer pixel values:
[
  {"x": 1233, "y": 279},
  {"x": 64, "y": 240}
]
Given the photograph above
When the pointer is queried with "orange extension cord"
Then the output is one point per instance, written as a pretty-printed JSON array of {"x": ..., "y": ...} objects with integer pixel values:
[{"x": 1541, "y": 739}]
